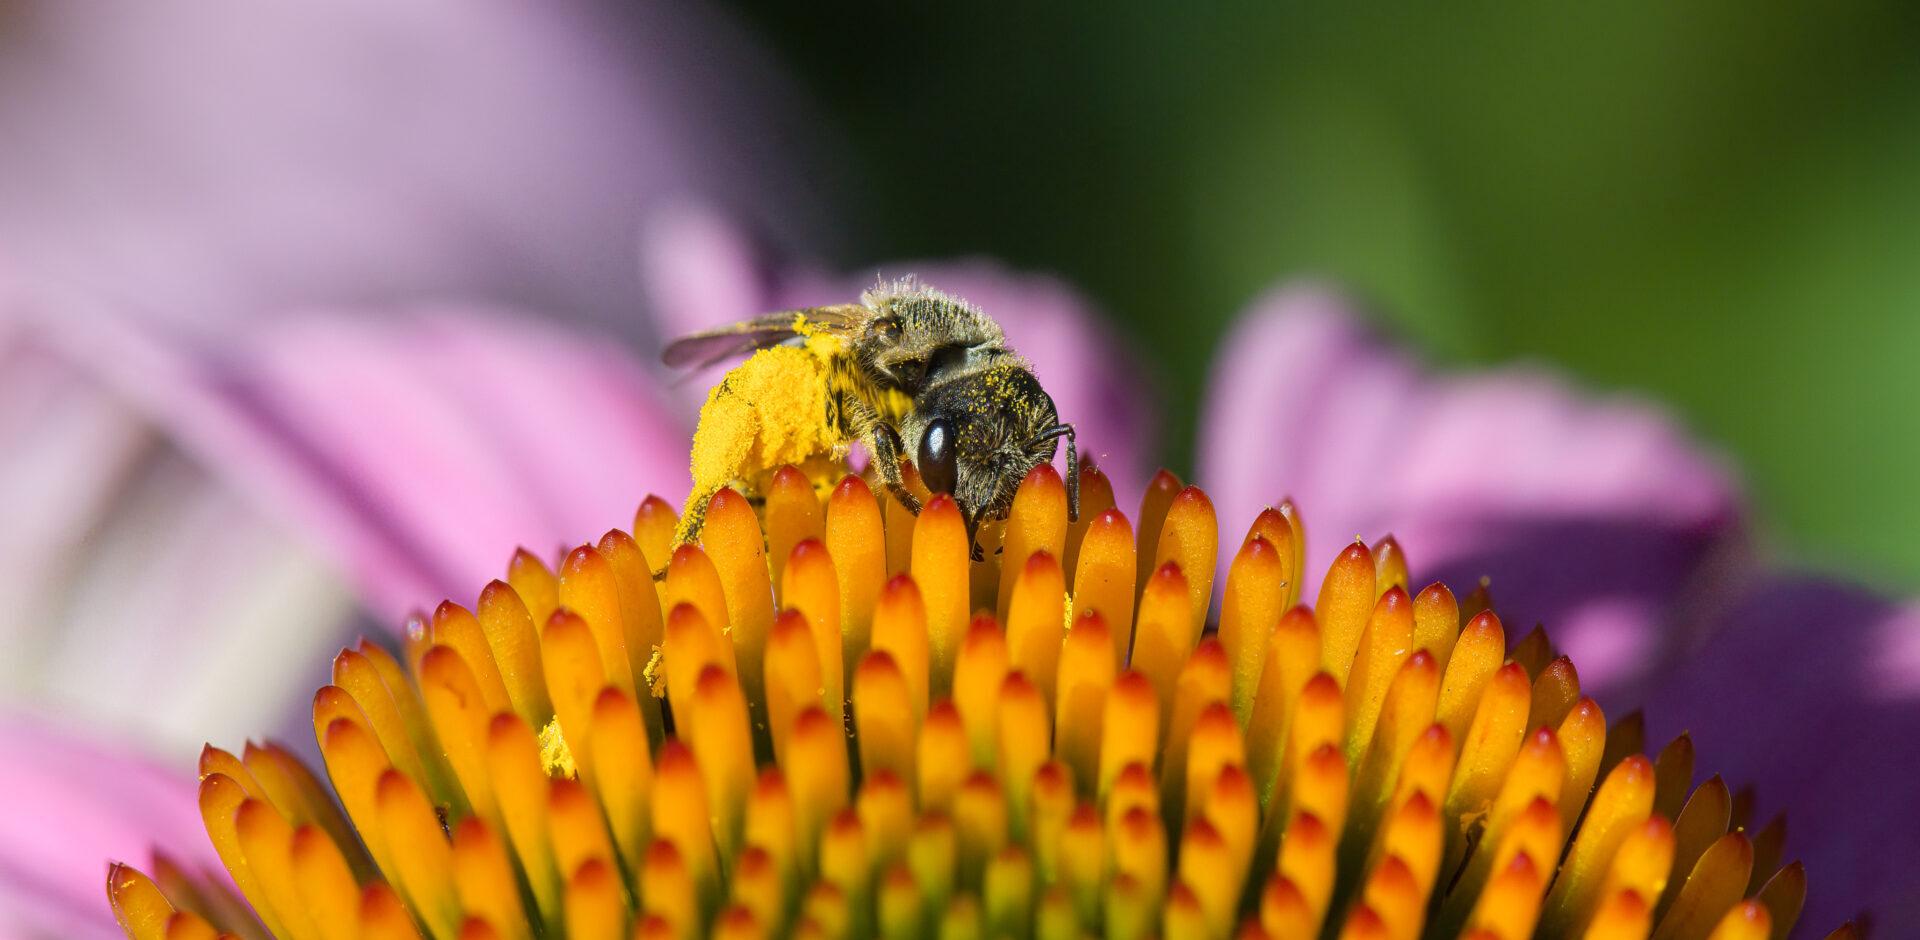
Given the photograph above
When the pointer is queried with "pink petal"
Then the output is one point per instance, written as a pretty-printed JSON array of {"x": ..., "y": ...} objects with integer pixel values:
[
  {"x": 218, "y": 160},
  {"x": 417, "y": 449},
  {"x": 1595, "y": 516},
  {"x": 72, "y": 805},
  {"x": 1810, "y": 691}
]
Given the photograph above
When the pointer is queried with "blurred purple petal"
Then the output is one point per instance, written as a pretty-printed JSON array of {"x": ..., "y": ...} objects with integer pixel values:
[
  {"x": 1596, "y": 517},
  {"x": 72, "y": 806},
  {"x": 1812, "y": 691},
  {"x": 416, "y": 450},
  {"x": 702, "y": 273},
  {"x": 219, "y": 160}
]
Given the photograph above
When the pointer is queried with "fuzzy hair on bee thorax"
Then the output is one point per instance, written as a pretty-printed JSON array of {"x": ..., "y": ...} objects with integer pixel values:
[{"x": 916, "y": 334}]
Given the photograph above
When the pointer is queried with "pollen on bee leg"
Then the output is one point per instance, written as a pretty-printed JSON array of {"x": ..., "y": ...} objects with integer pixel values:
[
  {"x": 1190, "y": 538},
  {"x": 1036, "y": 522},
  {"x": 857, "y": 543},
  {"x": 1036, "y": 620},
  {"x": 940, "y": 553},
  {"x": 793, "y": 515},
  {"x": 1103, "y": 577}
]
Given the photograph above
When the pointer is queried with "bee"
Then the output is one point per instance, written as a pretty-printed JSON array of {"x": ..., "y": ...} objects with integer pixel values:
[{"x": 906, "y": 367}]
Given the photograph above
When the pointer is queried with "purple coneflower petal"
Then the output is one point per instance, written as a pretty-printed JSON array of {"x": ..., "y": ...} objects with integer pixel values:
[{"x": 1595, "y": 516}]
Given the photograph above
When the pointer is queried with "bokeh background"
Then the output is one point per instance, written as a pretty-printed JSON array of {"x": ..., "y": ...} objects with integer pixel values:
[
  {"x": 308, "y": 312},
  {"x": 1716, "y": 204}
]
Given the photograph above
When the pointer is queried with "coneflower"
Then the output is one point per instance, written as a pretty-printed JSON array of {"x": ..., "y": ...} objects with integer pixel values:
[{"x": 827, "y": 722}]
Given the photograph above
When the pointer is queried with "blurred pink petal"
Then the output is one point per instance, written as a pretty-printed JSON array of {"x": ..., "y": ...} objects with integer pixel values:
[
  {"x": 702, "y": 273},
  {"x": 1811, "y": 691},
  {"x": 1594, "y": 516},
  {"x": 416, "y": 449},
  {"x": 73, "y": 805},
  {"x": 208, "y": 161}
]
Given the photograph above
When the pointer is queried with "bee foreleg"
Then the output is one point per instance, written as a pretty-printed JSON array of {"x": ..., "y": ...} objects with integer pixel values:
[
  {"x": 1073, "y": 465},
  {"x": 886, "y": 453}
]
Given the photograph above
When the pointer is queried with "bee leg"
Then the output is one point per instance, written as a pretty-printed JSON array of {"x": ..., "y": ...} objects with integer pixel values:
[
  {"x": 886, "y": 453},
  {"x": 1073, "y": 465},
  {"x": 693, "y": 518}
]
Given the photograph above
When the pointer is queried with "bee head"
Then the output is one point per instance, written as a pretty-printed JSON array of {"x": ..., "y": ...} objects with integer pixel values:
[{"x": 978, "y": 436}]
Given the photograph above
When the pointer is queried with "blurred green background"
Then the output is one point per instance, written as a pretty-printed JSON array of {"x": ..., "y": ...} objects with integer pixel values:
[{"x": 1716, "y": 204}]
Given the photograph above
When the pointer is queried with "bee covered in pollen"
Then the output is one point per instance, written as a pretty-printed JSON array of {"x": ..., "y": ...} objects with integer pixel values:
[{"x": 906, "y": 372}]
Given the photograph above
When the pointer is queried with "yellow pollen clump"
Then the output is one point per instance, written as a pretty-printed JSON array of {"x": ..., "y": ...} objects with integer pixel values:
[
  {"x": 827, "y": 722},
  {"x": 556, "y": 758}
]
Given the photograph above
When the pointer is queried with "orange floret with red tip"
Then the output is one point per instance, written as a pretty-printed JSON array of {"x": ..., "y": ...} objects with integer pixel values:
[{"x": 827, "y": 720}]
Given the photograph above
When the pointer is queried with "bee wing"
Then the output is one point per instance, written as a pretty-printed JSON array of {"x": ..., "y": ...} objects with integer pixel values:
[{"x": 700, "y": 350}]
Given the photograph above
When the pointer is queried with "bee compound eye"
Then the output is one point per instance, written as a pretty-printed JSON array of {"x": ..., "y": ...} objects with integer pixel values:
[{"x": 938, "y": 459}]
